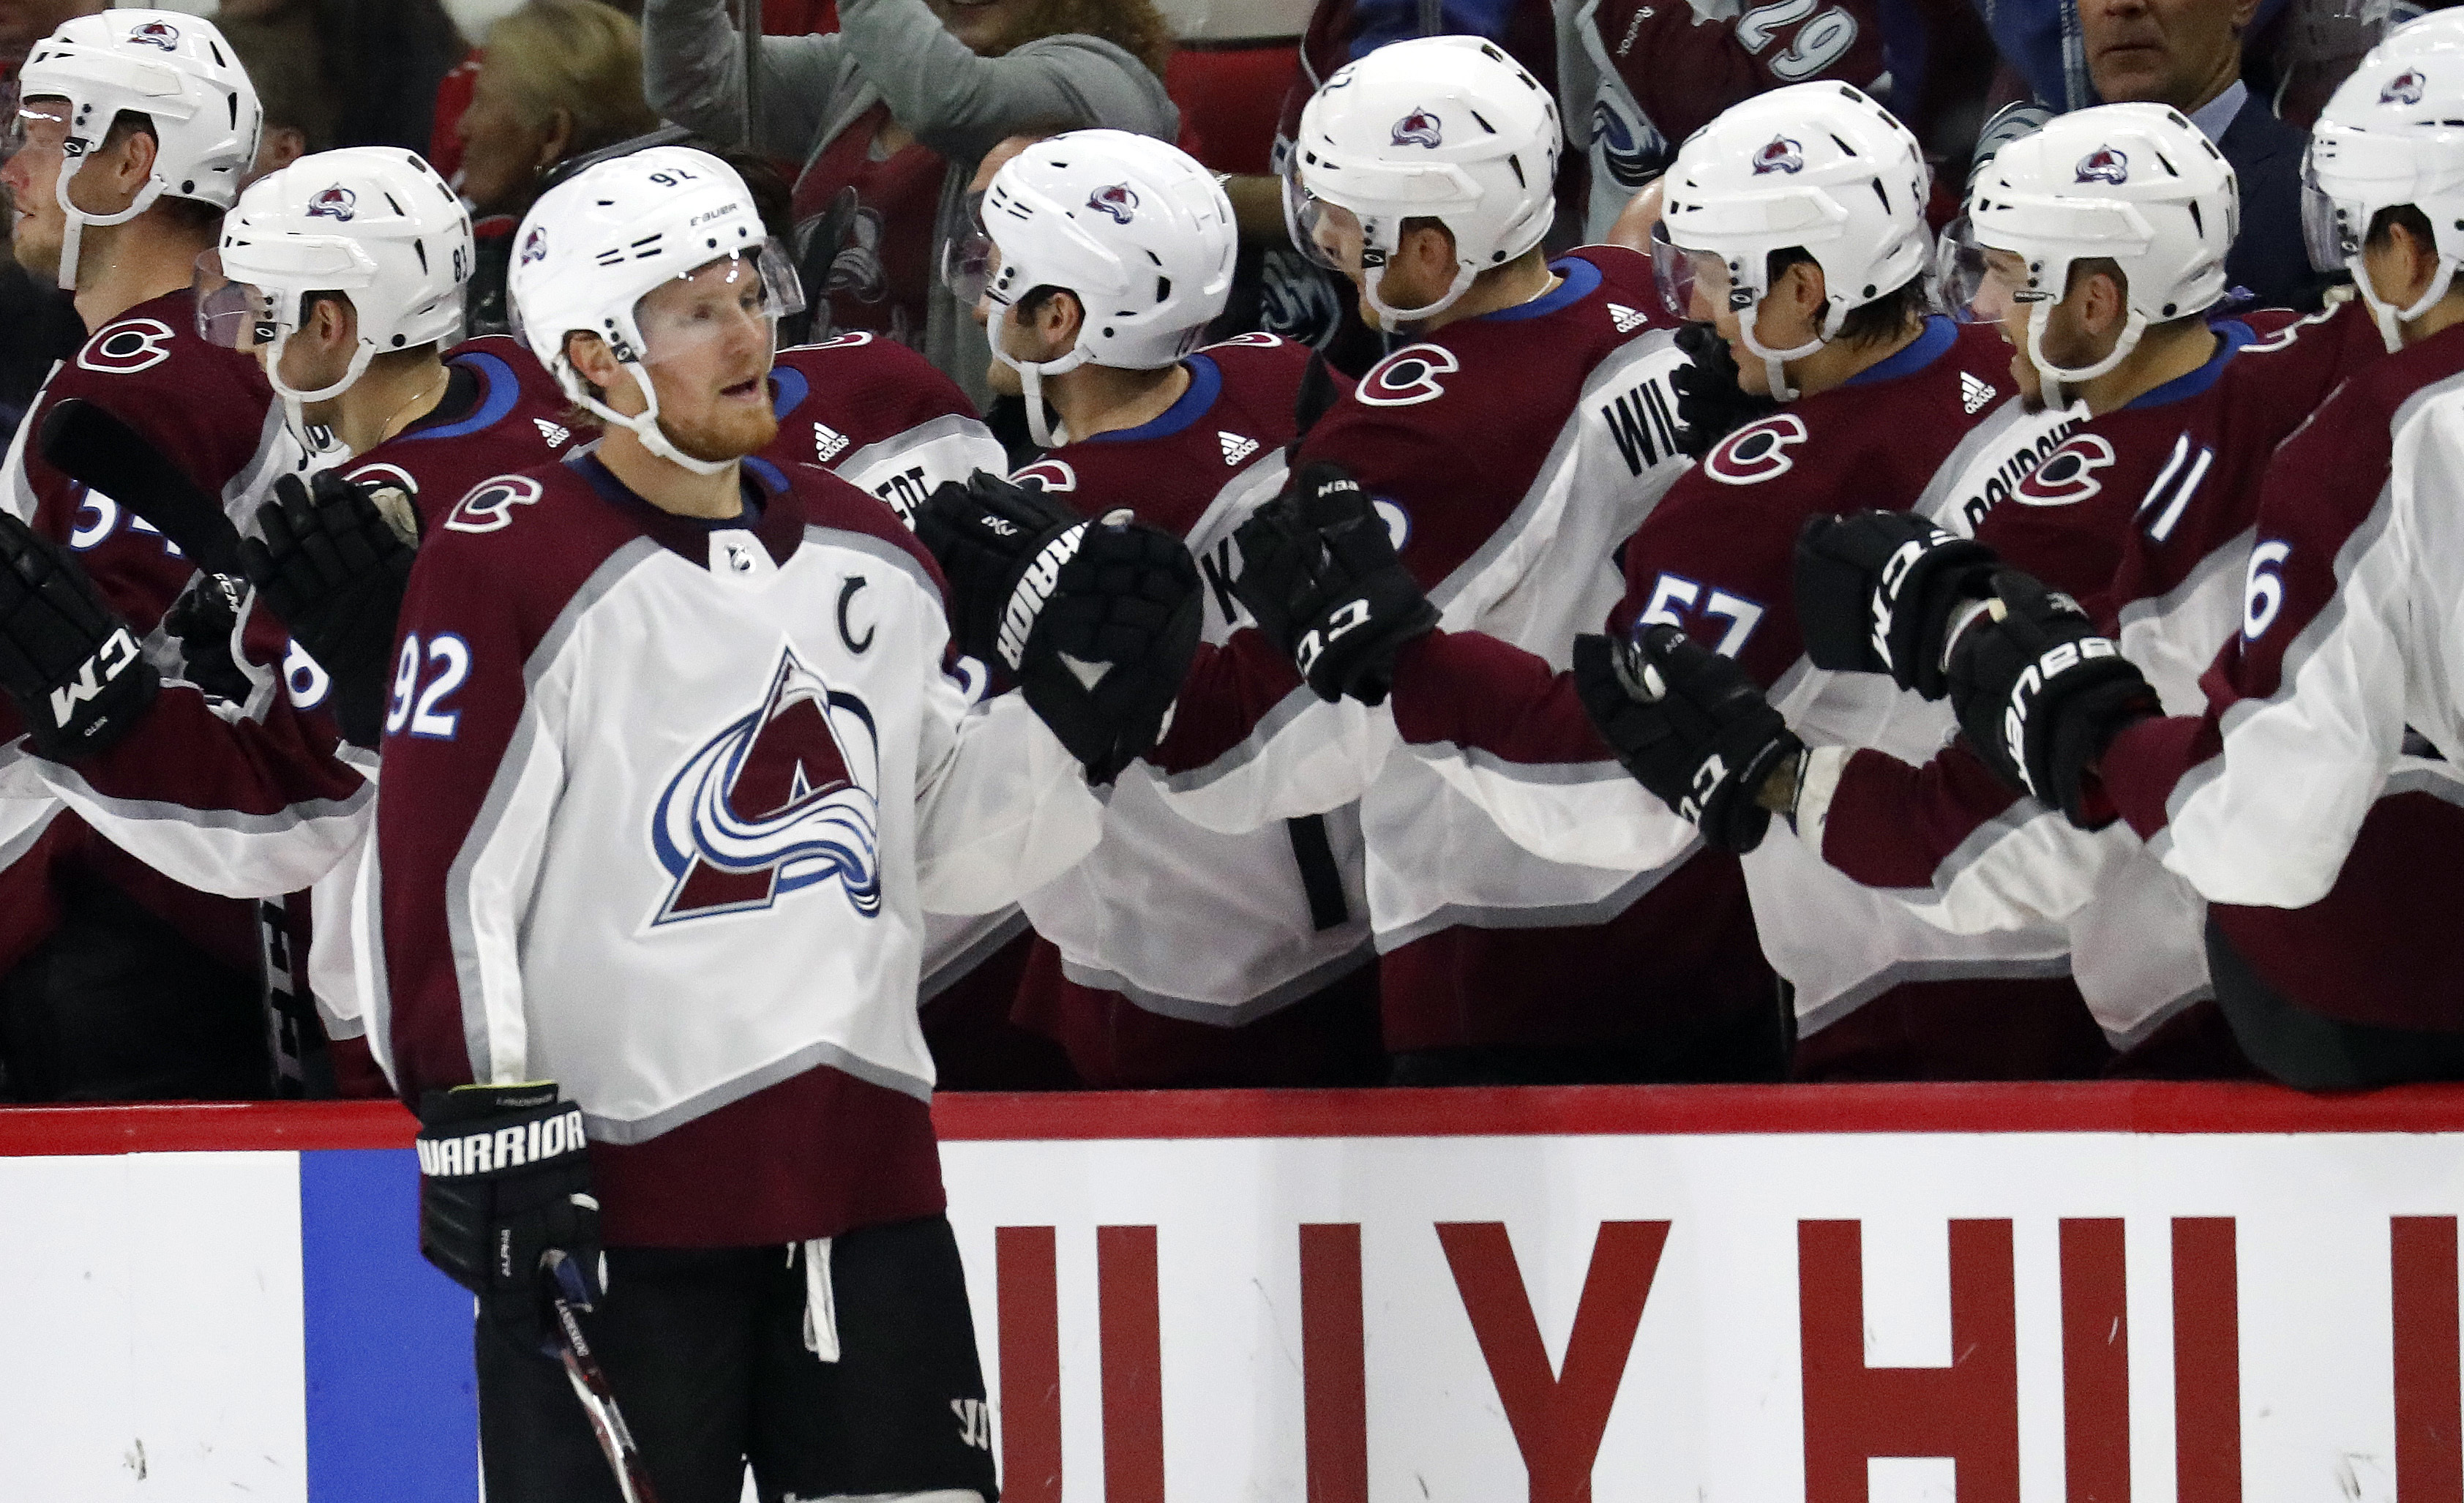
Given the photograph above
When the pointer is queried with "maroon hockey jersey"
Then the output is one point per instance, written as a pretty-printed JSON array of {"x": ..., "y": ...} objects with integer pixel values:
[{"x": 879, "y": 415}]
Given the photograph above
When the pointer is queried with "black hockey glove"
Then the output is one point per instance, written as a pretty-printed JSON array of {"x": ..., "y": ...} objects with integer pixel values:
[
  {"x": 1691, "y": 727},
  {"x": 66, "y": 658},
  {"x": 91, "y": 446},
  {"x": 2040, "y": 693},
  {"x": 984, "y": 531},
  {"x": 333, "y": 565},
  {"x": 1319, "y": 573},
  {"x": 1710, "y": 404},
  {"x": 504, "y": 1178},
  {"x": 203, "y": 620},
  {"x": 1881, "y": 591}
]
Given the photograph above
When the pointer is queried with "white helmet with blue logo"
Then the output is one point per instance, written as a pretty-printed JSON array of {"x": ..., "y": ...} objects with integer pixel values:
[
  {"x": 2389, "y": 138},
  {"x": 1447, "y": 128},
  {"x": 374, "y": 223},
  {"x": 597, "y": 243},
  {"x": 2136, "y": 183},
  {"x": 174, "y": 69},
  {"x": 1132, "y": 226},
  {"x": 1818, "y": 167}
]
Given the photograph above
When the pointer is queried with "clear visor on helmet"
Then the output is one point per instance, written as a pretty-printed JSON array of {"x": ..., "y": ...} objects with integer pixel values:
[
  {"x": 40, "y": 125},
  {"x": 738, "y": 296},
  {"x": 969, "y": 260},
  {"x": 1329, "y": 235},
  {"x": 233, "y": 314},
  {"x": 2330, "y": 238},
  {"x": 1959, "y": 274},
  {"x": 1693, "y": 284}
]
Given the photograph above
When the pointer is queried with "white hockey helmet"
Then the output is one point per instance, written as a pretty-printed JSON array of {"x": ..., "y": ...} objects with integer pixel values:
[
  {"x": 596, "y": 245},
  {"x": 2438, "y": 31},
  {"x": 1815, "y": 166},
  {"x": 374, "y": 223},
  {"x": 172, "y": 68},
  {"x": 1447, "y": 128},
  {"x": 2137, "y": 184},
  {"x": 1132, "y": 226},
  {"x": 2392, "y": 135}
]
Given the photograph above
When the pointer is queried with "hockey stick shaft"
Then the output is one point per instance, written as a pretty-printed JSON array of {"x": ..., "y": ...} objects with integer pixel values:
[
  {"x": 99, "y": 450},
  {"x": 590, "y": 1386}
]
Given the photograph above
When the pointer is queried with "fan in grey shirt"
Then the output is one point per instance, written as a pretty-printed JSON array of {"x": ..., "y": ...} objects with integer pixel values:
[{"x": 936, "y": 87}]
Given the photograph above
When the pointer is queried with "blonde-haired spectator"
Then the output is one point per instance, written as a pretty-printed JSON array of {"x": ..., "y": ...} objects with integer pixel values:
[{"x": 557, "y": 79}]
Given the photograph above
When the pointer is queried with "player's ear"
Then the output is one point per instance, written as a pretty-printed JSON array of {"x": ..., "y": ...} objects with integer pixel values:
[
  {"x": 595, "y": 363},
  {"x": 134, "y": 161},
  {"x": 1802, "y": 287},
  {"x": 1429, "y": 250},
  {"x": 1058, "y": 319},
  {"x": 338, "y": 322}
]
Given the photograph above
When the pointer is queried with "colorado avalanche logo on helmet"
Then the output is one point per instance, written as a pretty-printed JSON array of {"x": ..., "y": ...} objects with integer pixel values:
[
  {"x": 156, "y": 33},
  {"x": 1420, "y": 128},
  {"x": 2105, "y": 165},
  {"x": 783, "y": 799},
  {"x": 2404, "y": 88},
  {"x": 1779, "y": 155},
  {"x": 334, "y": 203},
  {"x": 534, "y": 245},
  {"x": 1117, "y": 201}
]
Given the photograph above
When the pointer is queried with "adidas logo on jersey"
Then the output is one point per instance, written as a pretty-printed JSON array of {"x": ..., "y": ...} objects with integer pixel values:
[
  {"x": 828, "y": 441},
  {"x": 1628, "y": 319},
  {"x": 1234, "y": 446},
  {"x": 1973, "y": 391},
  {"x": 554, "y": 433}
]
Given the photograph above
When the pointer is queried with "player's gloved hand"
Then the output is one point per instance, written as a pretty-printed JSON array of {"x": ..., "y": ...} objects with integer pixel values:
[
  {"x": 505, "y": 1176},
  {"x": 2041, "y": 694},
  {"x": 1883, "y": 592},
  {"x": 202, "y": 620},
  {"x": 66, "y": 658},
  {"x": 1104, "y": 659},
  {"x": 984, "y": 531},
  {"x": 1319, "y": 573},
  {"x": 1690, "y": 725},
  {"x": 333, "y": 566},
  {"x": 1710, "y": 403}
]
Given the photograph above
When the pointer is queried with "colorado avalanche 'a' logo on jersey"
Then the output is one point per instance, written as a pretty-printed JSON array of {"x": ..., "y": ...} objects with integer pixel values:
[
  {"x": 534, "y": 245},
  {"x": 1420, "y": 128},
  {"x": 2404, "y": 88},
  {"x": 1779, "y": 155},
  {"x": 1757, "y": 452},
  {"x": 1046, "y": 475},
  {"x": 2068, "y": 476},
  {"x": 334, "y": 203},
  {"x": 157, "y": 33},
  {"x": 784, "y": 798},
  {"x": 1117, "y": 201},
  {"x": 2105, "y": 165},
  {"x": 1412, "y": 375}
]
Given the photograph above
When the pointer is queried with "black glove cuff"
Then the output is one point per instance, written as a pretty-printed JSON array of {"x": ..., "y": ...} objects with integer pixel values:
[{"x": 497, "y": 1131}]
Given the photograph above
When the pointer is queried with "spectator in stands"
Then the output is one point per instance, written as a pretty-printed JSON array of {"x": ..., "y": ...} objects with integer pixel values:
[
  {"x": 888, "y": 116},
  {"x": 378, "y": 62},
  {"x": 557, "y": 78},
  {"x": 2187, "y": 53}
]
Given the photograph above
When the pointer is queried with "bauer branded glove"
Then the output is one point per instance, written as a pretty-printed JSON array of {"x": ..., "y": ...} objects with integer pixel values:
[
  {"x": 66, "y": 658},
  {"x": 504, "y": 1178},
  {"x": 1318, "y": 572},
  {"x": 1883, "y": 592},
  {"x": 333, "y": 565},
  {"x": 2040, "y": 693},
  {"x": 1691, "y": 727},
  {"x": 1710, "y": 404}
]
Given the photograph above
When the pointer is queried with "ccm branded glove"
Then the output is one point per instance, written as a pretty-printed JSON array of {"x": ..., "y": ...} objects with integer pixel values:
[
  {"x": 1710, "y": 404},
  {"x": 66, "y": 658},
  {"x": 333, "y": 565},
  {"x": 1883, "y": 592},
  {"x": 504, "y": 1179},
  {"x": 1691, "y": 727},
  {"x": 1096, "y": 622},
  {"x": 2041, "y": 694},
  {"x": 1319, "y": 573}
]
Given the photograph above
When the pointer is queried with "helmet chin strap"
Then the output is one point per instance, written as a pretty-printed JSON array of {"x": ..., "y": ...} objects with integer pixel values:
[
  {"x": 1030, "y": 386},
  {"x": 2389, "y": 317},
  {"x": 293, "y": 400},
  {"x": 644, "y": 424},
  {"x": 1773, "y": 360},
  {"x": 2052, "y": 378},
  {"x": 72, "y": 230},
  {"x": 1374, "y": 280}
]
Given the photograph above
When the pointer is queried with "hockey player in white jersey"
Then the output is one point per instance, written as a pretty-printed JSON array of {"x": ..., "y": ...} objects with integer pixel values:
[
  {"x": 1173, "y": 955},
  {"x": 673, "y": 765}
]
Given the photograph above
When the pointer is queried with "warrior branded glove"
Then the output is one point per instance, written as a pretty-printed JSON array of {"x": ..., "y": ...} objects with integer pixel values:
[
  {"x": 1095, "y": 621},
  {"x": 66, "y": 658},
  {"x": 504, "y": 1179},
  {"x": 1319, "y": 573},
  {"x": 202, "y": 620},
  {"x": 1691, "y": 727},
  {"x": 1710, "y": 404},
  {"x": 2041, "y": 694},
  {"x": 333, "y": 565},
  {"x": 1881, "y": 592}
]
